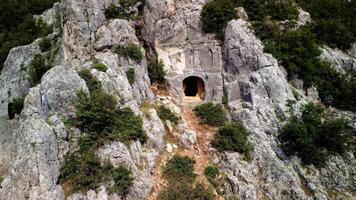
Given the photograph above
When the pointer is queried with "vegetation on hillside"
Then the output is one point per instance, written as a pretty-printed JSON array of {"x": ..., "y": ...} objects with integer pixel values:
[
  {"x": 83, "y": 171},
  {"x": 17, "y": 25},
  {"x": 166, "y": 114},
  {"x": 130, "y": 74},
  {"x": 298, "y": 49},
  {"x": 131, "y": 50},
  {"x": 333, "y": 21},
  {"x": 100, "y": 67},
  {"x": 156, "y": 71},
  {"x": 38, "y": 67},
  {"x": 211, "y": 114},
  {"x": 315, "y": 135},
  {"x": 233, "y": 137},
  {"x": 101, "y": 121},
  {"x": 179, "y": 171}
]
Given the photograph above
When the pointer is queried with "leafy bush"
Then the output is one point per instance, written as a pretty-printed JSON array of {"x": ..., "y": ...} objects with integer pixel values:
[
  {"x": 313, "y": 136},
  {"x": 130, "y": 74},
  {"x": 123, "y": 180},
  {"x": 17, "y": 25},
  {"x": 38, "y": 68},
  {"x": 100, "y": 67},
  {"x": 1, "y": 180},
  {"x": 180, "y": 169},
  {"x": 186, "y": 192},
  {"x": 166, "y": 114},
  {"x": 45, "y": 44},
  {"x": 273, "y": 9},
  {"x": 83, "y": 171},
  {"x": 92, "y": 83},
  {"x": 215, "y": 15},
  {"x": 15, "y": 107},
  {"x": 333, "y": 21},
  {"x": 156, "y": 70},
  {"x": 211, "y": 114},
  {"x": 233, "y": 137},
  {"x": 97, "y": 114},
  {"x": 132, "y": 51},
  {"x": 211, "y": 172}
]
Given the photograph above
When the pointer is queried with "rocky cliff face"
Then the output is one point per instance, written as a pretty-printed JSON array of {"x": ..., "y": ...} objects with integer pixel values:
[{"x": 33, "y": 145}]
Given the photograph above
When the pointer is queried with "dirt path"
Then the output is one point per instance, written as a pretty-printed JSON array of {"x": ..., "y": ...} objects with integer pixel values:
[{"x": 199, "y": 152}]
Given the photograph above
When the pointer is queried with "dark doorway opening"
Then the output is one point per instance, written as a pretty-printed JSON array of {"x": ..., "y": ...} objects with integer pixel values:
[{"x": 193, "y": 87}]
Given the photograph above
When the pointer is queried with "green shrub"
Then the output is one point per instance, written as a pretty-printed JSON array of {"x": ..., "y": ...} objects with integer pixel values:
[
  {"x": 333, "y": 21},
  {"x": 38, "y": 68},
  {"x": 233, "y": 137},
  {"x": 211, "y": 172},
  {"x": 1, "y": 180},
  {"x": 45, "y": 44},
  {"x": 211, "y": 114},
  {"x": 97, "y": 114},
  {"x": 83, "y": 171},
  {"x": 93, "y": 84},
  {"x": 123, "y": 180},
  {"x": 166, "y": 114},
  {"x": 215, "y": 15},
  {"x": 186, "y": 192},
  {"x": 15, "y": 107},
  {"x": 130, "y": 74},
  {"x": 100, "y": 67},
  {"x": 156, "y": 70},
  {"x": 180, "y": 169},
  {"x": 132, "y": 51},
  {"x": 273, "y": 9},
  {"x": 313, "y": 136},
  {"x": 225, "y": 100}
]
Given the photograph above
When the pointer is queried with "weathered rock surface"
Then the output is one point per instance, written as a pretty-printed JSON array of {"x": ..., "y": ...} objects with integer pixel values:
[
  {"x": 258, "y": 92},
  {"x": 173, "y": 28},
  {"x": 14, "y": 80},
  {"x": 342, "y": 62}
]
